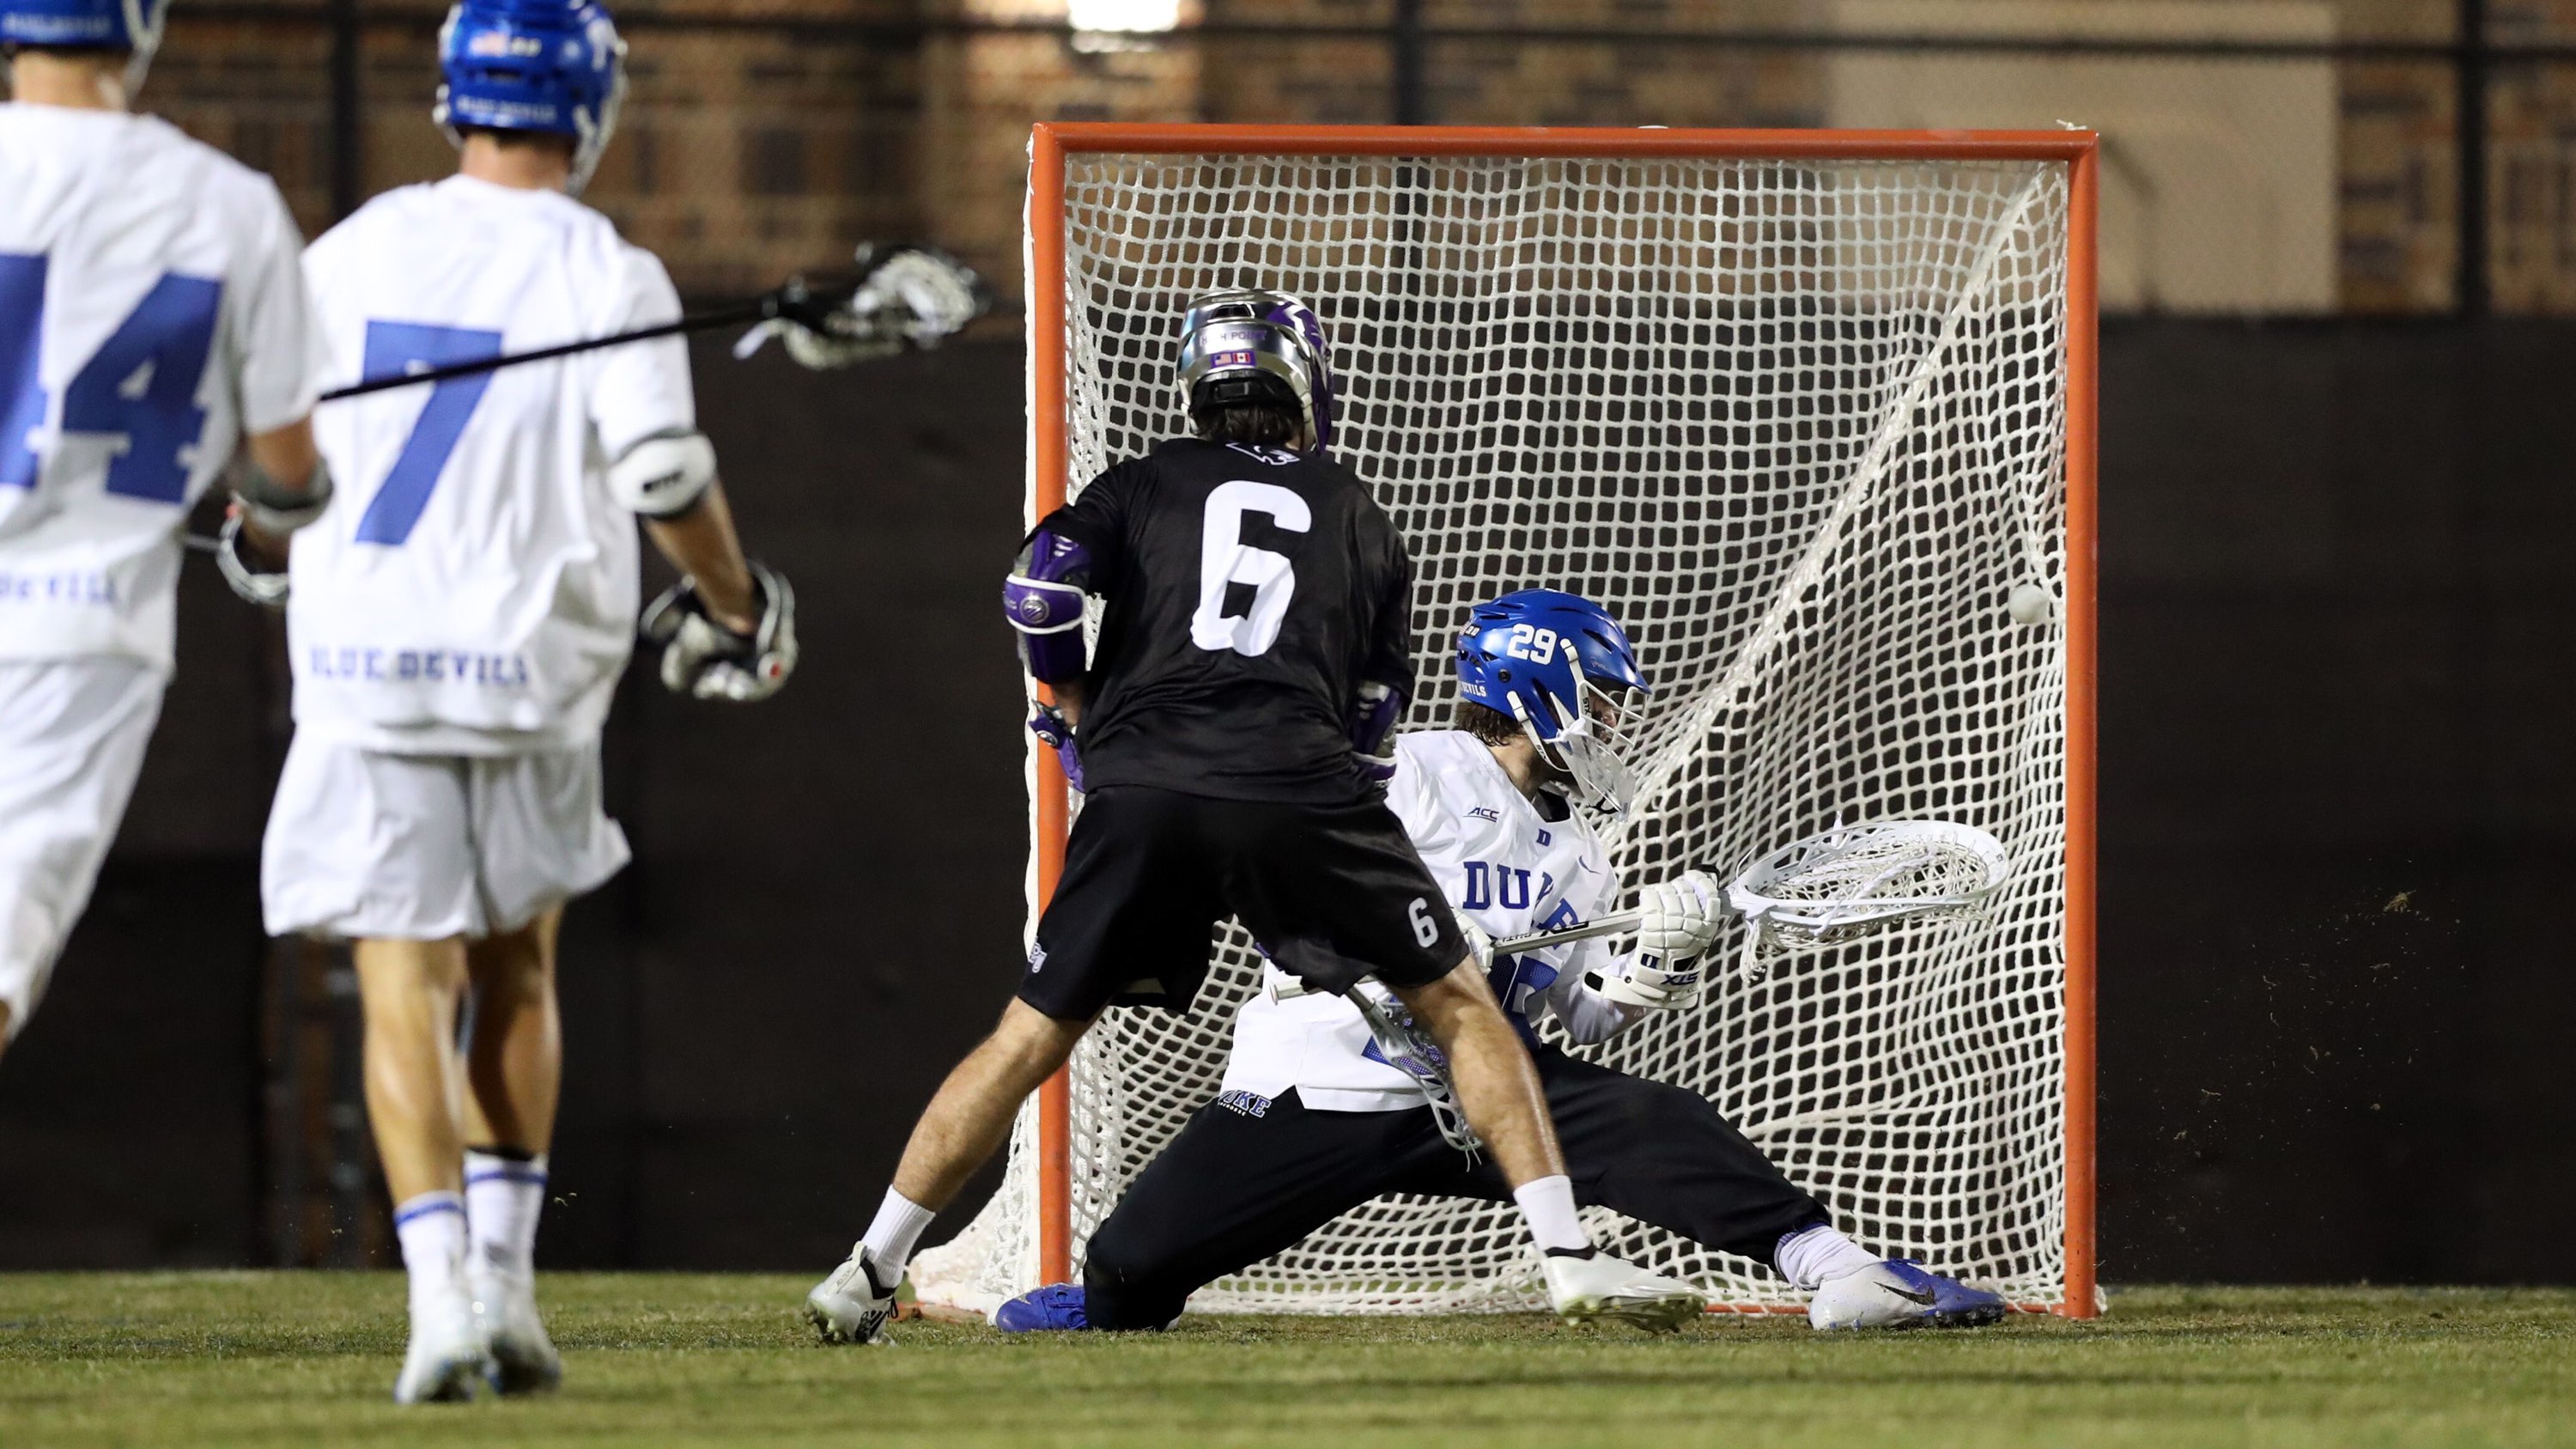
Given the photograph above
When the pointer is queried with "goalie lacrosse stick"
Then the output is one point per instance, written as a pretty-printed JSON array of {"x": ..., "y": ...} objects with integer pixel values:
[
  {"x": 903, "y": 297},
  {"x": 1846, "y": 882}
]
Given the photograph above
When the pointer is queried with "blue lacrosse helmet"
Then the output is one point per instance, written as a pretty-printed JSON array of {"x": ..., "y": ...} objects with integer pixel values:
[
  {"x": 1252, "y": 344},
  {"x": 1559, "y": 664},
  {"x": 551, "y": 66},
  {"x": 127, "y": 25}
]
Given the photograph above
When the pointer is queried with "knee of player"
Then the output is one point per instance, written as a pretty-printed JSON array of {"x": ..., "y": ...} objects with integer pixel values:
[
  {"x": 1120, "y": 1259},
  {"x": 1669, "y": 1110}
]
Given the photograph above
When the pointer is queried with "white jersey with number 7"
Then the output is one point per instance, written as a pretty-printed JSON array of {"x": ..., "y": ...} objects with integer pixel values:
[
  {"x": 473, "y": 589},
  {"x": 150, "y": 314}
]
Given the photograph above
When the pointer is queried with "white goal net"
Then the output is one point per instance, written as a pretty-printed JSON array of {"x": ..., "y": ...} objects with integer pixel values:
[{"x": 1801, "y": 426}]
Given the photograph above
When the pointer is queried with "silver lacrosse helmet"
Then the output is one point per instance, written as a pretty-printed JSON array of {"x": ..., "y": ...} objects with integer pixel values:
[{"x": 1255, "y": 345}]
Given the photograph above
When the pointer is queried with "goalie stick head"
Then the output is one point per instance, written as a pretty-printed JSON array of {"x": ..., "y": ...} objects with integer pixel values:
[
  {"x": 1561, "y": 666},
  {"x": 551, "y": 67},
  {"x": 131, "y": 26},
  {"x": 1256, "y": 345}
]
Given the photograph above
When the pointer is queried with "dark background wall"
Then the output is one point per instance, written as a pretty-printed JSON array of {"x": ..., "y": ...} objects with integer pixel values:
[{"x": 2336, "y": 806}]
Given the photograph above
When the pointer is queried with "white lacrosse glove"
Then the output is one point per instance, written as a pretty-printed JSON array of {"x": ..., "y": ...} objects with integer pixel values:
[
  {"x": 703, "y": 658},
  {"x": 1651, "y": 983},
  {"x": 1480, "y": 942},
  {"x": 913, "y": 298},
  {"x": 1679, "y": 921}
]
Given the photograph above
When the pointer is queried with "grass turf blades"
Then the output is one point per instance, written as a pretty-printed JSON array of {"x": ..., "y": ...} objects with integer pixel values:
[{"x": 670, "y": 1359}]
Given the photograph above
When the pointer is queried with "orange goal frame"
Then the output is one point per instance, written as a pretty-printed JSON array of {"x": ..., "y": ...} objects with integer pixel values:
[{"x": 1049, "y": 460}]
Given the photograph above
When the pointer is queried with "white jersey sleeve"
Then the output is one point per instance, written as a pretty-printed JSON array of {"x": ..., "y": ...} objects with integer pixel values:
[
  {"x": 280, "y": 356},
  {"x": 642, "y": 389},
  {"x": 1587, "y": 1016},
  {"x": 151, "y": 312},
  {"x": 473, "y": 588}
]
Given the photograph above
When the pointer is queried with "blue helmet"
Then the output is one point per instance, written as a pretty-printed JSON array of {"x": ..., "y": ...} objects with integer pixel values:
[
  {"x": 1559, "y": 664},
  {"x": 1252, "y": 344},
  {"x": 551, "y": 66},
  {"x": 128, "y": 25}
]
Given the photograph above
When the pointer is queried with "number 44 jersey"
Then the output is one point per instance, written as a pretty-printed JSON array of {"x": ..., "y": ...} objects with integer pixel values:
[
  {"x": 473, "y": 589},
  {"x": 150, "y": 314},
  {"x": 1250, "y": 592}
]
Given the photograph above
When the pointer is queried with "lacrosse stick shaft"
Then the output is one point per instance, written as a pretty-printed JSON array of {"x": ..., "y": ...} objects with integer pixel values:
[
  {"x": 755, "y": 310},
  {"x": 1609, "y": 925}
]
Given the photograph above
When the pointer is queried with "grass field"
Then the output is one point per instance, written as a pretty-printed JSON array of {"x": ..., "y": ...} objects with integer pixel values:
[{"x": 307, "y": 1358}]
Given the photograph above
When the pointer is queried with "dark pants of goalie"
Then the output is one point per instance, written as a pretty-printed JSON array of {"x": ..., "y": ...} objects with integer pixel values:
[{"x": 1234, "y": 1187}]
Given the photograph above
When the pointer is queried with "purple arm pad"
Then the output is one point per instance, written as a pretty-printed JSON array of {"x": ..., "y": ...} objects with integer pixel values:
[
  {"x": 1043, "y": 600},
  {"x": 1373, "y": 715},
  {"x": 1049, "y": 618}
]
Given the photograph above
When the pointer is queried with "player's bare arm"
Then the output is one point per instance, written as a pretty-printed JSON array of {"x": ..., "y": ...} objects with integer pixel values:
[{"x": 700, "y": 542}]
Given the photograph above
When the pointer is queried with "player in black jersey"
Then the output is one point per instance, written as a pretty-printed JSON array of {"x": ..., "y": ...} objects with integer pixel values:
[{"x": 1254, "y": 652}]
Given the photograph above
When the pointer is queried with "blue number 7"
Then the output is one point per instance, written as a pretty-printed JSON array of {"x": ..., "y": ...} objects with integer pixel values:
[{"x": 394, "y": 348}]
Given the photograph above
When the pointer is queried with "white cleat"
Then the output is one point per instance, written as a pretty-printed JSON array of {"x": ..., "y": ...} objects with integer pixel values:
[
  {"x": 446, "y": 1361},
  {"x": 1587, "y": 1290},
  {"x": 1899, "y": 1294},
  {"x": 849, "y": 1307},
  {"x": 523, "y": 1359}
]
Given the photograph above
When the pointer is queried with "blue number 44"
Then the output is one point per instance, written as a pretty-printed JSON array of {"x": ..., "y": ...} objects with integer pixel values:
[
  {"x": 395, "y": 348},
  {"x": 140, "y": 384}
]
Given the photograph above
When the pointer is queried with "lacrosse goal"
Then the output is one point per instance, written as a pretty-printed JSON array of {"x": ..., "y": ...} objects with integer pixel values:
[{"x": 1804, "y": 410}]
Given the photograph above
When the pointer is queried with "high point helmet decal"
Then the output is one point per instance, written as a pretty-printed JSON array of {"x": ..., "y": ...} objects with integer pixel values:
[
  {"x": 1561, "y": 666},
  {"x": 551, "y": 66}
]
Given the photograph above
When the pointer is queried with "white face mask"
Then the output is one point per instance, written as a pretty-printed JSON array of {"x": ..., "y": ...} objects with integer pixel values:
[{"x": 1590, "y": 744}]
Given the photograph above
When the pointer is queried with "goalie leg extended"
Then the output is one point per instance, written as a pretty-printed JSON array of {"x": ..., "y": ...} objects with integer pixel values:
[{"x": 1666, "y": 1156}]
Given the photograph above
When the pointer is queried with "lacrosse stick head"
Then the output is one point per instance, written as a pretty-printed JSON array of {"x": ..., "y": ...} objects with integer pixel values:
[
  {"x": 1559, "y": 664},
  {"x": 1854, "y": 879},
  {"x": 903, "y": 298}
]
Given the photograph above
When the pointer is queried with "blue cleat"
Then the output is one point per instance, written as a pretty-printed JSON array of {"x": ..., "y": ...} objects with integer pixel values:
[
  {"x": 1056, "y": 1308},
  {"x": 1902, "y": 1294}
]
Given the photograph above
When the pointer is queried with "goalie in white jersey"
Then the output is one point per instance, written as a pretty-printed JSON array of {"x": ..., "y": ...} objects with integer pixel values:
[
  {"x": 152, "y": 320},
  {"x": 1315, "y": 1116},
  {"x": 457, "y": 625}
]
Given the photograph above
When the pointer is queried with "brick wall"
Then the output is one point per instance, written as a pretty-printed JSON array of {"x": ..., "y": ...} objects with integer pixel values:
[{"x": 746, "y": 155}]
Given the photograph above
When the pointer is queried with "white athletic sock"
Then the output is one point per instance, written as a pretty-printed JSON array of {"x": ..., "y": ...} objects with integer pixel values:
[
  {"x": 431, "y": 1228},
  {"x": 1547, "y": 1205},
  {"x": 1812, "y": 1257},
  {"x": 503, "y": 1196},
  {"x": 892, "y": 1236}
]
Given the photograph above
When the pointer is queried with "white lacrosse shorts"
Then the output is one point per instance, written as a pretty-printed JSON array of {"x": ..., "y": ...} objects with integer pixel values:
[
  {"x": 368, "y": 845},
  {"x": 72, "y": 733}
]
